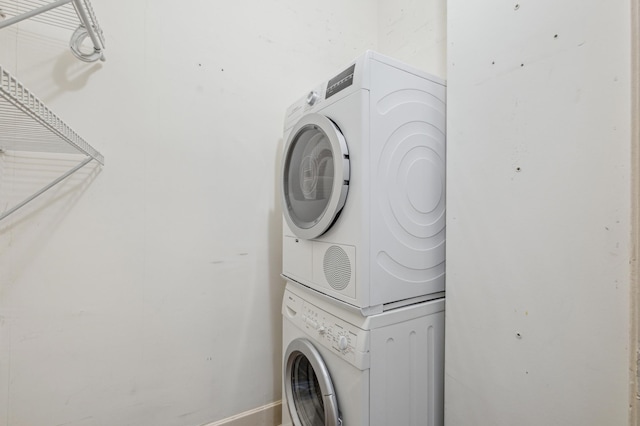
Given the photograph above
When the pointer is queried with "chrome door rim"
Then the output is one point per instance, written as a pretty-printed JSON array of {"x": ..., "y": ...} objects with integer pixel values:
[
  {"x": 340, "y": 185},
  {"x": 304, "y": 347}
]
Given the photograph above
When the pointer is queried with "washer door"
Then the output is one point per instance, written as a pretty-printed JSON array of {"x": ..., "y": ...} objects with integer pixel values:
[
  {"x": 315, "y": 176},
  {"x": 307, "y": 386}
]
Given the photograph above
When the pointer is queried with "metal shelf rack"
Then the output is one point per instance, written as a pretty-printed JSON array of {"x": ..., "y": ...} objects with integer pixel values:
[
  {"x": 28, "y": 125},
  {"x": 75, "y": 15}
]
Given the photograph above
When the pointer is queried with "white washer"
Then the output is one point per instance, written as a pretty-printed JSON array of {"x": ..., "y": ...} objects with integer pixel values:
[
  {"x": 340, "y": 368},
  {"x": 363, "y": 186}
]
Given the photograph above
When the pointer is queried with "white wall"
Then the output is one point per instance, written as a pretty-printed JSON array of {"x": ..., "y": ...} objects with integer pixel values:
[
  {"x": 538, "y": 242},
  {"x": 415, "y": 31},
  {"x": 635, "y": 211},
  {"x": 148, "y": 292}
]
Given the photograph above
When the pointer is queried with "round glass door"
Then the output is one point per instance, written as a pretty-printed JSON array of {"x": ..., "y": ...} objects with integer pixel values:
[
  {"x": 315, "y": 176},
  {"x": 310, "y": 396}
]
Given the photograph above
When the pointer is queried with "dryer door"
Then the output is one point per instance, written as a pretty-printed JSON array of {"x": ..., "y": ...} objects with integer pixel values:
[
  {"x": 307, "y": 386},
  {"x": 315, "y": 176}
]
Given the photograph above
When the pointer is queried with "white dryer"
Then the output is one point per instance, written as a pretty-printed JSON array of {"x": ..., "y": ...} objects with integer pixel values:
[
  {"x": 363, "y": 186},
  {"x": 340, "y": 368}
]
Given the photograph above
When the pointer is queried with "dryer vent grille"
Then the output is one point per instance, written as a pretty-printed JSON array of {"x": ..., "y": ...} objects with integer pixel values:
[{"x": 337, "y": 268}]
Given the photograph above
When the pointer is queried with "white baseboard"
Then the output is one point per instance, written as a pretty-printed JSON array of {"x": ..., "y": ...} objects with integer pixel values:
[{"x": 267, "y": 415}]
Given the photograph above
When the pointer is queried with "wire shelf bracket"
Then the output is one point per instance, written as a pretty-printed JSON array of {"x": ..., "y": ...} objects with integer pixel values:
[
  {"x": 29, "y": 125},
  {"x": 76, "y": 15}
]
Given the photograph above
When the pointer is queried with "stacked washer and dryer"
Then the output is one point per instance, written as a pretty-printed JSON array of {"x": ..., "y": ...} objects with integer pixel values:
[{"x": 363, "y": 191}]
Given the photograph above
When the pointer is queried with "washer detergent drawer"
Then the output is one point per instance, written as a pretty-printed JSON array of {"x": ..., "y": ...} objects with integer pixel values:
[{"x": 297, "y": 259}]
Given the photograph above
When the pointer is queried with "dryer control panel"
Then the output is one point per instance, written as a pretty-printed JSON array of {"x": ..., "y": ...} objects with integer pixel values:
[
  {"x": 341, "y": 81},
  {"x": 344, "y": 339}
]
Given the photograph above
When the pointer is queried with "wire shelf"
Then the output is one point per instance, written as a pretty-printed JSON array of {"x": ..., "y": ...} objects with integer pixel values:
[
  {"x": 29, "y": 125},
  {"x": 75, "y": 15}
]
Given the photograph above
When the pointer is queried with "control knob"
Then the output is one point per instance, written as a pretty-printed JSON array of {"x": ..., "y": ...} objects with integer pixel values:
[
  {"x": 342, "y": 343},
  {"x": 312, "y": 97}
]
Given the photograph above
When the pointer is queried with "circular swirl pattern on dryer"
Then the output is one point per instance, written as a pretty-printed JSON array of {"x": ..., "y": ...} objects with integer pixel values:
[
  {"x": 410, "y": 182},
  {"x": 412, "y": 172}
]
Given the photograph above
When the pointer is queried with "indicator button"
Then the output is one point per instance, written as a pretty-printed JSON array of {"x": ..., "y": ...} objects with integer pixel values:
[{"x": 311, "y": 322}]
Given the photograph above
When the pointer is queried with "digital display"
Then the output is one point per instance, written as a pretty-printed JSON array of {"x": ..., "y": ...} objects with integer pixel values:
[{"x": 341, "y": 81}]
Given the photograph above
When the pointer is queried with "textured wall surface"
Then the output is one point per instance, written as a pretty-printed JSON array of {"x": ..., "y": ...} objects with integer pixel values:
[
  {"x": 415, "y": 31},
  {"x": 148, "y": 292},
  {"x": 538, "y": 229}
]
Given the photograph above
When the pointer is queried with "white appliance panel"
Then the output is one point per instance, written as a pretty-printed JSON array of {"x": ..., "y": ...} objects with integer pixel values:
[
  {"x": 391, "y": 367},
  {"x": 408, "y": 221},
  {"x": 392, "y": 119},
  {"x": 299, "y": 260}
]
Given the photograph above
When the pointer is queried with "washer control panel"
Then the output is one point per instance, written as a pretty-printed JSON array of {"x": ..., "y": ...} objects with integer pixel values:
[
  {"x": 343, "y": 338},
  {"x": 331, "y": 331}
]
